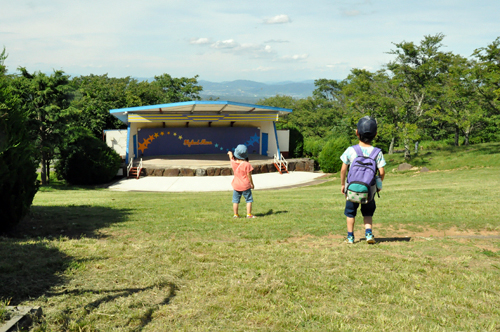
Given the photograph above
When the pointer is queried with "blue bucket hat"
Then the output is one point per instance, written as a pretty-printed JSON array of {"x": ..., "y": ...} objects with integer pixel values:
[{"x": 241, "y": 152}]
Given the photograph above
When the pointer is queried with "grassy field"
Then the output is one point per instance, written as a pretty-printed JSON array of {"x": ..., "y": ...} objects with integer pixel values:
[{"x": 97, "y": 260}]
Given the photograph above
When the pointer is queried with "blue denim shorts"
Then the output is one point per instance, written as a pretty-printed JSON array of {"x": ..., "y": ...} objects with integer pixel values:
[
  {"x": 247, "y": 194},
  {"x": 367, "y": 210}
]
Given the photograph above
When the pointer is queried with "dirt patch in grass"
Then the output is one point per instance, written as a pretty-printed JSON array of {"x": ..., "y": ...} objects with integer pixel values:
[
  {"x": 394, "y": 235},
  {"x": 432, "y": 232}
]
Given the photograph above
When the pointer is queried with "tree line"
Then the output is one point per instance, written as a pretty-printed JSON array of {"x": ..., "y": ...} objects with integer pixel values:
[
  {"x": 56, "y": 106},
  {"x": 423, "y": 94}
]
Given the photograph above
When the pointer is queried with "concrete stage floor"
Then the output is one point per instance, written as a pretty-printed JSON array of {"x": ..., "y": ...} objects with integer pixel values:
[{"x": 216, "y": 183}]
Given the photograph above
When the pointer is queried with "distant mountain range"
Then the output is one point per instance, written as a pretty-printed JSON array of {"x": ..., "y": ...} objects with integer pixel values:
[
  {"x": 245, "y": 91},
  {"x": 250, "y": 92}
]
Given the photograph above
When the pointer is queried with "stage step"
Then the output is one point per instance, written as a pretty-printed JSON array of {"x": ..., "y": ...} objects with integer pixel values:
[
  {"x": 282, "y": 169},
  {"x": 133, "y": 173}
]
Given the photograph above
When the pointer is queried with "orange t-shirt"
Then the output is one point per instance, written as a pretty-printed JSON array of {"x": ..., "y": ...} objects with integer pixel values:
[{"x": 241, "y": 182}]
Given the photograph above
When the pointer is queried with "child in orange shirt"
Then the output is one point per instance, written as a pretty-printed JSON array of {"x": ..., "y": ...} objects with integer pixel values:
[{"x": 242, "y": 182}]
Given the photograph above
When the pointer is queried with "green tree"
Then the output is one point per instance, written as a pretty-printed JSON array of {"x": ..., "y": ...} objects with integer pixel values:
[
  {"x": 177, "y": 89},
  {"x": 45, "y": 99},
  {"x": 416, "y": 71},
  {"x": 458, "y": 105},
  {"x": 488, "y": 74},
  {"x": 96, "y": 95},
  {"x": 281, "y": 101},
  {"x": 18, "y": 183}
]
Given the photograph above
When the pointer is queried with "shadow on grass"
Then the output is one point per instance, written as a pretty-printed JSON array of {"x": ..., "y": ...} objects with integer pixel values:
[
  {"x": 27, "y": 270},
  {"x": 30, "y": 264},
  {"x": 393, "y": 239},
  {"x": 73, "y": 221},
  {"x": 143, "y": 320},
  {"x": 268, "y": 213},
  {"x": 488, "y": 149}
]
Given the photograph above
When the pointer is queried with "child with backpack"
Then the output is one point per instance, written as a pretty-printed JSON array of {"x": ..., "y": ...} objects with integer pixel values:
[
  {"x": 242, "y": 182},
  {"x": 363, "y": 161}
]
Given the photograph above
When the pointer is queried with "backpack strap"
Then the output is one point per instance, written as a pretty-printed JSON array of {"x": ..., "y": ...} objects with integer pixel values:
[
  {"x": 357, "y": 148},
  {"x": 375, "y": 153},
  {"x": 373, "y": 156}
]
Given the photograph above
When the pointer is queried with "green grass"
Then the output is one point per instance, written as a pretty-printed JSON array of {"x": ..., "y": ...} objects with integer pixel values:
[
  {"x": 451, "y": 157},
  {"x": 98, "y": 260},
  {"x": 4, "y": 313}
]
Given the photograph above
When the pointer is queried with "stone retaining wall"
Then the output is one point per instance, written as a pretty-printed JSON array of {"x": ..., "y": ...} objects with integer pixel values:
[{"x": 300, "y": 165}]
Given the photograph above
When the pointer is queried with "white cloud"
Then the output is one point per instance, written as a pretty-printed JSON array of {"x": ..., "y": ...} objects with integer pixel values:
[
  {"x": 250, "y": 49},
  {"x": 296, "y": 57},
  {"x": 225, "y": 44},
  {"x": 199, "y": 41},
  {"x": 278, "y": 19}
]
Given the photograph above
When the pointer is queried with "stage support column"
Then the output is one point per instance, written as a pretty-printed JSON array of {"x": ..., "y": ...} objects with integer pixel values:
[
  {"x": 128, "y": 144},
  {"x": 277, "y": 143}
]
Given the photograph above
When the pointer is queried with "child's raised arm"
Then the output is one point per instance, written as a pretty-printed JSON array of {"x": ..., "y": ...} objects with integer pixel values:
[{"x": 230, "y": 154}]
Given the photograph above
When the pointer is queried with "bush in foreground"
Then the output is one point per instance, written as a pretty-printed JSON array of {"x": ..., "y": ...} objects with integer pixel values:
[
  {"x": 86, "y": 160},
  {"x": 18, "y": 183}
]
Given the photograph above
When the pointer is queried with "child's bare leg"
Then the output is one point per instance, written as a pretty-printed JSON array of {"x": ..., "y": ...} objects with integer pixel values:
[
  {"x": 235, "y": 208},
  {"x": 350, "y": 224},
  {"x": 249, "y": 208},
  {"x": 368, "y": 222}
]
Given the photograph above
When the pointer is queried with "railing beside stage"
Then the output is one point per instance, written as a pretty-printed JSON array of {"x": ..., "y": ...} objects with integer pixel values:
[
  {"x": 280, "y": 162},
  {"x": 130, "y": 165},
  {"x": 139, "y": 169}
]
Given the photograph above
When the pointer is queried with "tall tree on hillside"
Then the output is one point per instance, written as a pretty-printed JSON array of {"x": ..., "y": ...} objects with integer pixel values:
[
  {"x": 416, "y": 70},
  {"x": 281, "y": 101},
  {"x": 459, "y": 104},
  {"x": 95, "y": 96},
  {"x": 329, "y": 90},
  {"x": 177, "y": 89},
  {"x": 488, "y": 74},
  {"x": 375, "y": 94},
  {"x": 46, "y": 101}
]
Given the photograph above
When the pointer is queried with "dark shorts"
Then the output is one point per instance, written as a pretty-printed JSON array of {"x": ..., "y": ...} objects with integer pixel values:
[
  {"x": 247, "y": 194},
  {"x": 367, "y": 210}
]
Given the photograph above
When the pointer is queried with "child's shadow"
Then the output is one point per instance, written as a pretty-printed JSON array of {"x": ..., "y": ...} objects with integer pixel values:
[
  {"x": 268, "y": 213},
  {"x": 393, "y": 239}
]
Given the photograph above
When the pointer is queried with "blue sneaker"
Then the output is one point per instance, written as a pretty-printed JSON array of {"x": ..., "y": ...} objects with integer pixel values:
[
  {"x": 370, "y": 239},
  {"x": 349, "y": 240}
]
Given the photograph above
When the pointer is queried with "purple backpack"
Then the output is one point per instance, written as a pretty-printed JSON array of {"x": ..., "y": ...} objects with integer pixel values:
[{"x": 361, "y": 184}]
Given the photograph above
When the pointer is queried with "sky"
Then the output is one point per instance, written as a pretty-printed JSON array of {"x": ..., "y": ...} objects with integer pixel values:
[{"x": 226, "y": 40}]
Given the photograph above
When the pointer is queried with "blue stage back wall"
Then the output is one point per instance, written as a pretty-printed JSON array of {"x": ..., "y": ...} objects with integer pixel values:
[{"x": 208, "y": 140}]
